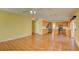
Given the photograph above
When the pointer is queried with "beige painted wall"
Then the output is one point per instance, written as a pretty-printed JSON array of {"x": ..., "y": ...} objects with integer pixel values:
[
  {"x": 38, "y": 26},
  {"x": 14, "y": 25},
  {"x": 77, "y": 28}
]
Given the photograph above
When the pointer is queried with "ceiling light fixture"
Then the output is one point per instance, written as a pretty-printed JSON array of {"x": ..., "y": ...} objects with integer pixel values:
[{"x": 33, "y": 12}]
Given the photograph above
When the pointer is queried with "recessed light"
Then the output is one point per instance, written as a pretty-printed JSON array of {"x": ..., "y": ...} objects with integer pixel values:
[
  {"x": 31, "y": 12},
  {"x": 34, "y": 12}
]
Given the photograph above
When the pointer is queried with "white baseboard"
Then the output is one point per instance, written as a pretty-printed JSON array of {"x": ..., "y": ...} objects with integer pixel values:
[{"x": 13, "y": 38}]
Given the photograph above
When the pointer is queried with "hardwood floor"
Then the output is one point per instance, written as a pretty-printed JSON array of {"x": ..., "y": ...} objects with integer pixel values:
[{"x": 40, "y": 43}]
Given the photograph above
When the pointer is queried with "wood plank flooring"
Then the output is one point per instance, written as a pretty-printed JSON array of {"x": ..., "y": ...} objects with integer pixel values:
[{"x": 40, "y": 43}]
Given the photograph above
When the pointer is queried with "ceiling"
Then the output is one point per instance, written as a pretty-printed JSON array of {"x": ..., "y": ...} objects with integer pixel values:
[{"x": 51, "y": 14}]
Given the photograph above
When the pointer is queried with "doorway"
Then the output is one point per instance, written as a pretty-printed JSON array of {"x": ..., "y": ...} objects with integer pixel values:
[
  {"x": 60, "y": 29},
  {"x": 33, "y": 26}
]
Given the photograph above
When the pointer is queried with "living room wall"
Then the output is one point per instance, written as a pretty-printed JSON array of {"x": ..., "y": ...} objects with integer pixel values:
[{"x": 14, "y": 25}]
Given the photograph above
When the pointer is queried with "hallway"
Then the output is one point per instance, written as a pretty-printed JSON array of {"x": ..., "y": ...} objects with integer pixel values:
[{"x": 39, "y": 43}]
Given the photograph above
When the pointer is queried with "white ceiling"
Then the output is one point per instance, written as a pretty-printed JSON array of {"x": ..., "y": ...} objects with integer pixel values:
[{"x": 48, "y": 13}]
